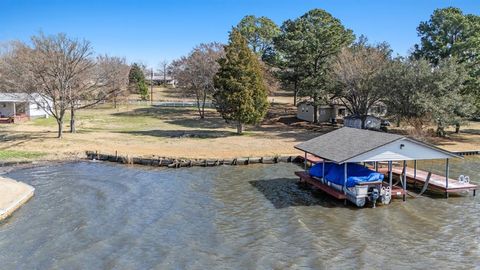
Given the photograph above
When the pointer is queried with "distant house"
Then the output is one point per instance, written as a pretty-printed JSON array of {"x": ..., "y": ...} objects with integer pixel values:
[
  {"x": 378, "y": 110},
  {"x": 159, "y": 79},
  {"x": 326, "y": 113},
  {"x": 21, "y": 106}
]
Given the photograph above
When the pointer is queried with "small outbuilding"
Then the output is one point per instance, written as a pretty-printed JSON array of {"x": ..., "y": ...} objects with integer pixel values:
[
  {"x": 325, "y": 113},
  {"x": 355, "y": 121}
]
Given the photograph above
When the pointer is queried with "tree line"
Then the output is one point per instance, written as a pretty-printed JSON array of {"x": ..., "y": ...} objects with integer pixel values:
[
  {"x": 318, "y": 58},
  {"x": 315, "y": 56}
]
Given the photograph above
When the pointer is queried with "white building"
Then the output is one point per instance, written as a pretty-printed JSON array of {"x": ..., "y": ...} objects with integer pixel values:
[
  {"x": 159, "y": 79},
  {"x": 18, "y": 106}
]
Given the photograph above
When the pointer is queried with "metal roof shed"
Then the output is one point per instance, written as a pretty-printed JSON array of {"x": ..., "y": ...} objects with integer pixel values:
[{"x": 351, "y": 145}]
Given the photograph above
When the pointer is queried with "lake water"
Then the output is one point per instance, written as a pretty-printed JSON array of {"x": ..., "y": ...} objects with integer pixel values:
[{"x": 90, "y": 215}]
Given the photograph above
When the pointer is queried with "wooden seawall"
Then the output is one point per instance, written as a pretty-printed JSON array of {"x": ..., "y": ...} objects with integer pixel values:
[
  {"x": 467, "y": 153},
  {"x": 170, "y": 162}
]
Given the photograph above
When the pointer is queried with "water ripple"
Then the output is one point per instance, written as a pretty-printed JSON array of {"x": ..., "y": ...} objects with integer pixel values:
[{"x": 106, "y": 216}]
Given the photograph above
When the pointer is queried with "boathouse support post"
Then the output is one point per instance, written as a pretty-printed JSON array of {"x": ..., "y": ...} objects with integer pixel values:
[
  {"x": 414, "y": 174},
  {"x": 323, "y": 170},
  {"x": 390, "y": 178},
  {"x": 404, "y": 182},
  {"x": 305, "y": 162},
  {"x": 447, "y": 172},
  {"x": 415, "y": 170},
  {"x": 345, "y": 183}
]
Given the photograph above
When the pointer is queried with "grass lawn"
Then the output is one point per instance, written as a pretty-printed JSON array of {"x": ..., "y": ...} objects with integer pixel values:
[
  {"x": 147, "y": 131},
  {"x": 8, "y": 155},
  {"x": 171, "y": 132}
]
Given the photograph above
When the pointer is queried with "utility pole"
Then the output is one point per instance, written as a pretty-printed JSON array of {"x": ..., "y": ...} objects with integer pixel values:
[
  {"x": 165, "y": 74},
  {"x": 151, "y": 87}
]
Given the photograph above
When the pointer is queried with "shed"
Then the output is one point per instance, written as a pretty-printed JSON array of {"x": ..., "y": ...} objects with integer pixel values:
[
  {"x": 326, "y": 113},
  {"x": 355, "y": 121}
]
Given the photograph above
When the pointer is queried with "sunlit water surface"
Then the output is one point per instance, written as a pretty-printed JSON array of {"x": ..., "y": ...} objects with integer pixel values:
[{"x": 107, "y": 216}]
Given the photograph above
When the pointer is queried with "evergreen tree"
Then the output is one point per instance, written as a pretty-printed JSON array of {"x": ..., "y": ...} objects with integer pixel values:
[
  {"x": 241, "y": 94},
  {"x": 259, "y": 33},
  {"x": 136, "y": 81},
  {"x": 306, "y": 48},
  {"x": 452, "y": 34},
  {"x": 143, "y": 90}
]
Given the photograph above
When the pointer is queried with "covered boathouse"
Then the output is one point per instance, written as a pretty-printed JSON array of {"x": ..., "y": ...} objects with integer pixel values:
[{"x": 353, "y": 146}]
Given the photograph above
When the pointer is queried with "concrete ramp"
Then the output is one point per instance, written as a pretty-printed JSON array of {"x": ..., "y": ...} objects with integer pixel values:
[{"x": 13, "y": 195}]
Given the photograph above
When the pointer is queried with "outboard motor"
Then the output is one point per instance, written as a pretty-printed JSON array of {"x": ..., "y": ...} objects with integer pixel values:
[
  {"x": 374, "y": 195},
  {"x": 385, "y": 195}
]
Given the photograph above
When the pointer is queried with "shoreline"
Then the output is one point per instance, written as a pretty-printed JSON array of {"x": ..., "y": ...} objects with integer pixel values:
[
  {"x": 173, "y": 162},
  {"x": 15, "y": 194},
  {"x": 167, "y": 161},
  {"x": 10, "y": 166}
]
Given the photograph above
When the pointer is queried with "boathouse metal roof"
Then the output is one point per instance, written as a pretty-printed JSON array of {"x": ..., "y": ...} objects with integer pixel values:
[{"x": 359, "y": 145}]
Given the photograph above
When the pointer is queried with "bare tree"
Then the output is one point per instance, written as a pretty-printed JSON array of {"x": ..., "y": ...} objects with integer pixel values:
[
  {"x": 195, "y": 72},
  {"x": 83, "y": 92},
  {"x": 104, "y": 79},
  {"x": 113, "y": 73},
  {"x": 163, "y": 70},
  {"x": 358, "y": 76},
  {"x": 51, "y": 68}
]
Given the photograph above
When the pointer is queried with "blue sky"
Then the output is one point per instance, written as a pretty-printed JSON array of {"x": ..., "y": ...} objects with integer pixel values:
[{"x": 150, "y": 31}]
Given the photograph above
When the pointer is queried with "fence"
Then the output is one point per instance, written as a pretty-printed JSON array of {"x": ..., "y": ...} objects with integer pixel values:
[{"x": 163, "y": 103}]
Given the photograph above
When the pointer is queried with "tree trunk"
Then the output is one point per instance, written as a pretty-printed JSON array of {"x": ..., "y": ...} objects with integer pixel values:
[
  {"x": 203, "y": 104},
  {"x": 315, "y": 109},
  {"x": 364, "y": 120},
  {"x": 202, "y": 114},
  {"x": 457, "y": 128},
  {"x": 60, "y": 128},
  {"x": 440, "y": 130},
  {"x": 315, "y": 113},
  {"x": 295, "y": 94},
  {"x": 115, "y": 102},
  {"x": 239, "y": 127},
  {"x": 398, "y": 121},
  {"x": 73, "y": 129},
  {"x": 199, "y": 109},
  {"x": 199, "y": 106}
]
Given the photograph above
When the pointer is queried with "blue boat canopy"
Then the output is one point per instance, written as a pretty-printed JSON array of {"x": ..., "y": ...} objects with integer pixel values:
[{"x": 356, "y": 173}]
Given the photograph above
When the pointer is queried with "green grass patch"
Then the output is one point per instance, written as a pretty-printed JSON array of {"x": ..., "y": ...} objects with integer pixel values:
[
  {"x": 14, "y": 154},
  {"x": 44, "y": 122}
]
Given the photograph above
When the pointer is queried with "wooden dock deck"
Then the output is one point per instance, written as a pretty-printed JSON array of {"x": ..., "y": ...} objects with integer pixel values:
[
  {"x": 396, "y": 190},
  {"x": 305, "y": 177},
  {"x": 311, "y": 159},
  {"x": 437, "y": 182}
]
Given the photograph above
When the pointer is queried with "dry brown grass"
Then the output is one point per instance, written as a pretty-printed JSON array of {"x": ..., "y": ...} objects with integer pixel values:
[
  {"x": 177, "y": 132},
  {"x": 177, "y": 94},
  {"x": 173, "y": 132},
  {"x": 467, "y": 139}
]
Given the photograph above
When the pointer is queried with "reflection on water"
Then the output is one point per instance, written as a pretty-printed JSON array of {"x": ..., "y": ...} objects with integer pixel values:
[{"x": 106, "y": 216}]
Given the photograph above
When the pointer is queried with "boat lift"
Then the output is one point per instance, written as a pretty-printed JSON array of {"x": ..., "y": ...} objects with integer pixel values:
[{"x": 350, "y": 145}]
